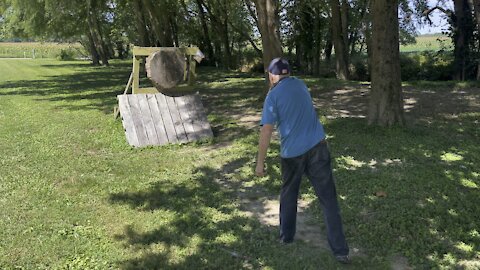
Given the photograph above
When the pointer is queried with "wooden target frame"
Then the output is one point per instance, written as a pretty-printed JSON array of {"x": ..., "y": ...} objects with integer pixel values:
[{"x": 192, "y": 54}]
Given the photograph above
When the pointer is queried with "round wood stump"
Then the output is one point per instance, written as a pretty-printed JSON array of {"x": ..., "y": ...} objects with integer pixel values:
[{"x": 166, "y": 68}]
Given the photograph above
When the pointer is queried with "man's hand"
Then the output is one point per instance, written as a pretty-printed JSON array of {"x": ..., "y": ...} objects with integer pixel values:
[{"x": 260, "y": 169}]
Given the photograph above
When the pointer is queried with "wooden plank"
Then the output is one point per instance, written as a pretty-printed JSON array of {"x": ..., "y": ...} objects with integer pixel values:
[
  {"x": 167, "y": 119},
  {"x": 186, "y": 116},
  {"x": 192, "y": 76},
  {"x": 190, "y": 107},
  {"x": 130, "y": 79},
  {"x": 177, "y": 120},
  {"x": 127, "y": 120},
  {"x": 137, "y": 120},
  {"x": 206, "y": 130},
  {"x": 146, "y": 90},
  {"x": 146, "y": 51},
  {"x": 157, "y": 119},
  {"x": 147, "y": 120}
]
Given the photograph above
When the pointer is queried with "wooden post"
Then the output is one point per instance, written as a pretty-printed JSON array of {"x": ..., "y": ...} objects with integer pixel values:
[
  {"x": 191, "y": 73},
  {"x": 136, "y": 74}
]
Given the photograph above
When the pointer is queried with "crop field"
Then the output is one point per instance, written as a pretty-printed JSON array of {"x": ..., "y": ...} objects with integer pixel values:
[
  {"x": 39, "y": 49},
  {"x": 433, "y": 42}
]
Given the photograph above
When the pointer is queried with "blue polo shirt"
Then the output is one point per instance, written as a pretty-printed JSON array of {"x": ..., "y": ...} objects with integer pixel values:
[{"x": 289, "y": 106}]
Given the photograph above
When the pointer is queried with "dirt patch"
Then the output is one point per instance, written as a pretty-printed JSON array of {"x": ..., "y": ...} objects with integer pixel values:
[
  {"x": 399, "y": 262},
  {"x": 418, "y": 103},
  {"x": 350, "y": 102},
  {"x": 266, "y": 211}
]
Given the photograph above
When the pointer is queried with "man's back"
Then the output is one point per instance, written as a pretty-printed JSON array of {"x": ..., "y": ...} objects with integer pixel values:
[{"x": 289, "y": 105}]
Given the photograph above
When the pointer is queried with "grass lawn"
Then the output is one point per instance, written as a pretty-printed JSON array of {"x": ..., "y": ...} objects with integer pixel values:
[{"x": 76, "y": 196}]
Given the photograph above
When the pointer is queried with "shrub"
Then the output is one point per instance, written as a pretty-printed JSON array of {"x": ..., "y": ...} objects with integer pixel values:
[
  {"x": 426, "y": 65},
  {"x": 359, "y": 68},
  {"x": 66, "y": 54}
]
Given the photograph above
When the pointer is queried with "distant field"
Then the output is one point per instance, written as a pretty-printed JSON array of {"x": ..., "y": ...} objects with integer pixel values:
[
  {"x": 428, "y": 43},
  {"x": 39, "y": 49}
]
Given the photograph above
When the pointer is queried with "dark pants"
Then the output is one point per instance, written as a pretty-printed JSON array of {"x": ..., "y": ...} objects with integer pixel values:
[{"x": 315, "y": 164}]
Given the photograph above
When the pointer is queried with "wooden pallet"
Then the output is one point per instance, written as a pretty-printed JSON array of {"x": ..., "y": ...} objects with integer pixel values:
[{"x": 157, "y": 119}]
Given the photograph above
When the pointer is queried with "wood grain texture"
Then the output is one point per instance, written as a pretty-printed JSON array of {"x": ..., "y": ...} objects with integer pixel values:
[
  {"x": 157, "y": 119},
  {"x": 127, "y": 120},
  {"x": 177, "y": 120},
  {"x": 166, "y": 68}
]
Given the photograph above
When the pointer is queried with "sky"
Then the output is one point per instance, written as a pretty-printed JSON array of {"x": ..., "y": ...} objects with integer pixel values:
[{"x": 438, "y": 19}]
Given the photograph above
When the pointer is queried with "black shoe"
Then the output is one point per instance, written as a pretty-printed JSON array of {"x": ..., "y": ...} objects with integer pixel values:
[
  {"x": 345, "y": 259},
  {"x": 285, "y": 242}
]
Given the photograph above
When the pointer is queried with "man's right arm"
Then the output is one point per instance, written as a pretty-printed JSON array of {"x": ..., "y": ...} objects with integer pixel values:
[{"x": 263, "y": 143}]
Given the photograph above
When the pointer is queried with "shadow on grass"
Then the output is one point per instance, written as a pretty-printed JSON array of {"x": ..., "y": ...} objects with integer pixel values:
[
  {"x": 207, "y": 231},
  {"x": 97, "y": 87},
  {"x": 427, "y": 172},
  {"x": 412, "y": 191},
  {"x": 86, "y": 90},
  {"x": 192, "y": 228}
]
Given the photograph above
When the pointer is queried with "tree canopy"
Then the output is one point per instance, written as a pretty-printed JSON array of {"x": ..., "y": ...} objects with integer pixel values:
[
  {"x": 318, "y": 36},
  {"x": 230, "y": 32}
]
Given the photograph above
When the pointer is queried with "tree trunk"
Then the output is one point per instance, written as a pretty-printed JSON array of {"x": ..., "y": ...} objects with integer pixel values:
[
  {"x": 93, "y": 50},
  {"x": 218, "y": 13},
  {"x": 368, "y": 43},
  {"x": 95, "y": 33},
  {"x": 142, "y": 37},
  {"x": 160, "y": 23},
  {"x": 476, "y": 8},
  {"x": 460, "y": 38},
  {"x": 344, "y": 15},
  {"x": 386, "y": 99},
  {"x": 226, "y": 42},
  {"x": 206, "y": 34},
  {"x": 339, "y": 41},
  {"x": 269, "y": 26},
  {"x": 329, "y": 45}
]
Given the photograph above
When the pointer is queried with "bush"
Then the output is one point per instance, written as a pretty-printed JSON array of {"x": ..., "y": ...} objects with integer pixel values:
[
  {"x": 427, "y": 65},
  {"x": 66, "y": 54},
  {"x": 359, "y": 68}
]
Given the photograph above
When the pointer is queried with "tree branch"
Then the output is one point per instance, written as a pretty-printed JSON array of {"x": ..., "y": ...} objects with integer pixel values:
[
  {"x": 252, "y": 42},
  {"x": 251, "y": 11},
  {"x": 427, "y": 12}
]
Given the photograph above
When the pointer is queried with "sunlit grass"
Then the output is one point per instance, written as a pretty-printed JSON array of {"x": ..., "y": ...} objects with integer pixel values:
[{"x": 76, "y": 196}]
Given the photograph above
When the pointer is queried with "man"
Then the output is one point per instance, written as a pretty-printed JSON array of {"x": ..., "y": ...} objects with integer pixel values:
[{"x": 303, "y": 151}]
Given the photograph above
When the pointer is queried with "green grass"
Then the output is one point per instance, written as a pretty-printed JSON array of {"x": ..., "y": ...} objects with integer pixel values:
[
  {"x": 433, "y": 42},
  {"x": 76, "y": 196},
  {"x": 39, "y": 49}
]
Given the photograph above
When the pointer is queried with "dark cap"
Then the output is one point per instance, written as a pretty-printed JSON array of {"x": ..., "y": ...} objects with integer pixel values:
[{"x": 279, "y": 66}]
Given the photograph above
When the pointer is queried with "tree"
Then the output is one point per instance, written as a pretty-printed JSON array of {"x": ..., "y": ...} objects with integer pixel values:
[
  {"x": 308, "y": 33},
  {"x": 269, "y": 27},
  {"x": 340, "y": 37},
  {"x": 386, "y": 100},
  {"x": 461, "y": 32},
  {"x": 96, "y": 36},
  {"x": 206, "y": 33},
  {"x": 476, "y": 8}
]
